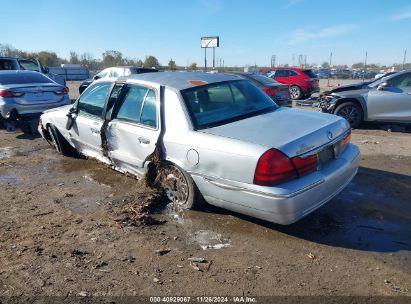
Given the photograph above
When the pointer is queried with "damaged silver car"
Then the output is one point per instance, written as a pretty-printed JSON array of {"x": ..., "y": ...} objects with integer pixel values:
[{"x": 210, "y": 136}]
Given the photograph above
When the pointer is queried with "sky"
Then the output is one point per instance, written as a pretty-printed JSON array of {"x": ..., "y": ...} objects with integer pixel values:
[{"x": 250, "y": 31}]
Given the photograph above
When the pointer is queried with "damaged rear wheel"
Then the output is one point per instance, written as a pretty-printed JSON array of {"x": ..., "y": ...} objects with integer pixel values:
[{"x": 179, "y": 187}]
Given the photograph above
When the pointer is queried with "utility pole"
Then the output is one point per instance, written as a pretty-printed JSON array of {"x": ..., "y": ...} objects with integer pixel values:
[
  {"x": 205, "y": 59},
  {"x": 213, "y": 58},
  {"x": 329, "y": 74},
  {"x": 365, "y": 65},
  {"x": 293, "y": 60},
  {"x": 305, "y": 62},
  {"x": 273, "y": 61},
  {"x": 403, "y": 61}
]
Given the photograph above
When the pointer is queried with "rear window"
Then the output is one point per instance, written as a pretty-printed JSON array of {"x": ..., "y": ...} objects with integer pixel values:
[
  {"x": 310, "y": 73},
  {"x": 225, "y": 102},
  {"x": 29, "y": 65},
  {"x": 263, "y": 79},
  {"x": 24, "y": 78}
]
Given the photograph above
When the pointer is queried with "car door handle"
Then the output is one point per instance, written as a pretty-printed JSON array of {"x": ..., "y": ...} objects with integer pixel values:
[
  {"x": 95, "y": 131},
  {"x": 143, "y": 140}
]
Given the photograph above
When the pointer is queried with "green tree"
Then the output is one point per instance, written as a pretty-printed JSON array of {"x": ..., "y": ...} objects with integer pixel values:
[
  {"x": 74, "y": 58},
  {"x": 325, "y": 65},
  {"x": 112, "y": 58},
  {"x": 359, "y": 65},
  {"x": 48, "y": 58},
  {"x": 151, "y": 62},
  {"x": 172, "y": 65},
  {"x": 192, "y": 67}
]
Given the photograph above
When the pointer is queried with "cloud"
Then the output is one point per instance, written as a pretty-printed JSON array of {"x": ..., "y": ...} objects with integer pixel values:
[
  {"x": 303, "y": 35},
  {"x": 211, "y": 6},
  {"x": 404, "y": 14},
  {"x": 292, "y": 2}
]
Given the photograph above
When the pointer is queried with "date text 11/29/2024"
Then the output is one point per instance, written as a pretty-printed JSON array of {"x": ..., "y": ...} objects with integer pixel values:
[{"x": 203, "y": 299}]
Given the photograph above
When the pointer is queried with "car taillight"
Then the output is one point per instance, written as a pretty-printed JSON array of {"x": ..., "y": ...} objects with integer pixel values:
[
  {"x": 5, "y": 93},
  {"x": 273, "y": 167},
  {"x": 270, "y": 92},
  {"x": 345, "y": 141},
  {"x": 305, "y": 165},
  {"x": 62, "y": 91}
]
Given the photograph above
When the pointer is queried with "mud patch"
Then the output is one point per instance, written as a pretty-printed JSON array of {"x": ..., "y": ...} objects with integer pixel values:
[{"x": 140, "y": 211}]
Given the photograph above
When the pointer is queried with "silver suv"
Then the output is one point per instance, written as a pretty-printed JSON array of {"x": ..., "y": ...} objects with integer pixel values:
[{"x": 387, "y": 100}]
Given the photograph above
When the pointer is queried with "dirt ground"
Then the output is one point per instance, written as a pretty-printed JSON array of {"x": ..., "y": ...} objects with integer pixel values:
[{"x": 61, "y": 233}]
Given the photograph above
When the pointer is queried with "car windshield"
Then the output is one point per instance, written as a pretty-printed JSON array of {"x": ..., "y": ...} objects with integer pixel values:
[
  {"x": 225, "y": 102},
  {"x": 23, "y": 78},
  {"x": 28, "y": 65}
]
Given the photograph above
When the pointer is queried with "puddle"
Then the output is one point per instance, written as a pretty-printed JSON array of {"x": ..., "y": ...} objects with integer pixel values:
[
  {"x": 190, "y": 221},
  {"x": 6, "y": 152},
  {"x": 209, "y": 239},
  {"x": 10, "y": 180}
]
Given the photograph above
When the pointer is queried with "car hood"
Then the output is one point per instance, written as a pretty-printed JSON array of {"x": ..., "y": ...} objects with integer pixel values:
[
  {"x": 293, "y": 131},
  {"x": 349, "y": 87}
]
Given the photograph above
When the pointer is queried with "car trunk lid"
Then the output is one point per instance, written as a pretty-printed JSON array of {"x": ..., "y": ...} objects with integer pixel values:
[
  {"x": 37, "y": 93},
  {"x": 292, "y": 131}
]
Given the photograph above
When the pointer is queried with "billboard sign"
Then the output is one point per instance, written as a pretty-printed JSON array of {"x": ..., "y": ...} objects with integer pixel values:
[{"x": 210, "y": 42}]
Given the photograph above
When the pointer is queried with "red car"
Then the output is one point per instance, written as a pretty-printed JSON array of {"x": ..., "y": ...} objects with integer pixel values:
[{"x": 302, "y": 82}]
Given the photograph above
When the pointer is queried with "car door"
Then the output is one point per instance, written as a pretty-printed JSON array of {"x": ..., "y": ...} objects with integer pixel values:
[
  {"x": 85, "y": 132},
  {"x": 282, "y": 76},
  {"x": 393, "y": 101},
  {"x": 134, "y": 128}
]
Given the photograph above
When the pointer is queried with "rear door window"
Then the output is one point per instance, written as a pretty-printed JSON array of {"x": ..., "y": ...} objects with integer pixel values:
[
  {"x": 282, "y": 73},
  {"x": 139, "y": 106}
]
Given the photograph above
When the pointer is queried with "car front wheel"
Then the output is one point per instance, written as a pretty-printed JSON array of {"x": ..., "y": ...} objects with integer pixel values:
[
  {"x": 352, "y": 112},
  {"x": 59, "y": 142},
  {"x": 295, "y": 92}
]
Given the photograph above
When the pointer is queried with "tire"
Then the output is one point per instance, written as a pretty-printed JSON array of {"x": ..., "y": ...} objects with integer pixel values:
[
  {"x": 60, "y": 143},
  {"x": 179, "y": 187},
  {"x": 295, "y": 92},
  {"x": 352, "y": 112}
]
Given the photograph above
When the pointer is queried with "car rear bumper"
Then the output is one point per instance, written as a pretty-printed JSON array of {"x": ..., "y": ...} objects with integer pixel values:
[
  {"x": 289, "y": 202},
  {"x": 17, "y": 111}
]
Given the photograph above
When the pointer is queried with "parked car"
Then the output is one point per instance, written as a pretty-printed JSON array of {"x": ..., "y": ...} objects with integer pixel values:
[
  {"x": 363, "y": 74},
  {"x": 114, "y": 72},
  {"x": 28, "y": 64},
  {"x": 380, "y": 75},
  {"x": 26, "y": 94},
  {"x": 214, "y": 136},
  {"x": 277, "y": 91},
  {"x": 387, "y": 99},
  {"x": 341, "y": 74},
  {"x": 323, "y": 73},
  {"x": 302, "y": 82}
]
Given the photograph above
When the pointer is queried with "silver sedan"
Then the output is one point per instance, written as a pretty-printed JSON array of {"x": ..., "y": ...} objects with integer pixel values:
[{"x": 213, "y": 138}]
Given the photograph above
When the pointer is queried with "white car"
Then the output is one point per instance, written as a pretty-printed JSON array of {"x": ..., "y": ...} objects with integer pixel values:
[{"x": 210, "y": 136}]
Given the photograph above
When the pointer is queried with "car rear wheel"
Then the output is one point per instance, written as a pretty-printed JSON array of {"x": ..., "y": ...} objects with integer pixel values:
[
  {"x": 179, "y": 187},
  {"x": 295, "y": 92},
  {"x": 59, "y": 142},
  {"x": 352, "y": 112}
]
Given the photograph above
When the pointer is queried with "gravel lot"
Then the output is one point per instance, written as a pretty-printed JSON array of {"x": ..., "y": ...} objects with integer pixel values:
[{"x": 59, "y": 235}]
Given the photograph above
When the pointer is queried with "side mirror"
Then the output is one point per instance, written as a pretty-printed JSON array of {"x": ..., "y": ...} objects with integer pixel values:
[
  {"x": 71, "y": 117},
  {"x": 96, "y": 77},
  {"x": 382, "y": 86},
  {"x": 46, "y": 70}
]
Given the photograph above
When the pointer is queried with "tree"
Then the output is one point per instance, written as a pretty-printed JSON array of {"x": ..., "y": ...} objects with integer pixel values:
[
  {"x": 172, "y": 65},
  {"x": 151, "y": 62},
  {"x": 48, "y": 58},
  {"x": 112, "y": 58},
  {"x": 74, "y": 58},
  {"x": 359, "y": 65},
  {"x": 192, "y": 67},
  {"x": 325, "y": 65},
  {"x": 9, "y": 51},
  {"x": 139, "y": 63}
]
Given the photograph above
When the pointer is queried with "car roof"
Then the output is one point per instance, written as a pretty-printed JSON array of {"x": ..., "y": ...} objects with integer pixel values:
[
  {"x": 181, "y": 80},
  {"x": 3, "y": 72}
]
